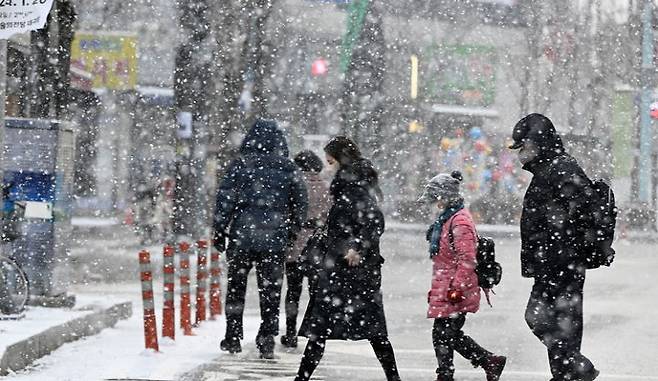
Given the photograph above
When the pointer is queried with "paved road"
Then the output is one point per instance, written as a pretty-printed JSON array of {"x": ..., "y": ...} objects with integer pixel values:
[{"x": 621, "y": 310}]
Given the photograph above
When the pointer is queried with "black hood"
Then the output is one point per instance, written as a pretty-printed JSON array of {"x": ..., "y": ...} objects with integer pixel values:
[{"x": 265, "y": 137}]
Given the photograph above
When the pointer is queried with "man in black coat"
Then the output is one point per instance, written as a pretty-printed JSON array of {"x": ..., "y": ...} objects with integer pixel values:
[
  {"x": 553, "y": 226},
  {"x": 261, "y": 205}
]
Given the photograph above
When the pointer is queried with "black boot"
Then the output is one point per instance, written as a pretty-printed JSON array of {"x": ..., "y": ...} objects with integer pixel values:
[
  {"x": 231, "y": 345},
  {"x": 266, "y": 347},
  {"x": 493, "y": 367},
  {"x": 289, "y": 340}
]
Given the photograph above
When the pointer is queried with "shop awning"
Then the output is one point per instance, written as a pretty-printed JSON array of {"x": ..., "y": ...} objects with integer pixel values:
[{"x": 465, "y": 111}]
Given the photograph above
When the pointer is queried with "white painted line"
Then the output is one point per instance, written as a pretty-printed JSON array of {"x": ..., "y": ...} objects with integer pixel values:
[{"x": 624, "y": 377}]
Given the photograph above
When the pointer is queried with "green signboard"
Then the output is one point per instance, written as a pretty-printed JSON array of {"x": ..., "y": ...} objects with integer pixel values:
[
  {"x": 356, "y": 14},
  {"x": 463, "y": 75}
]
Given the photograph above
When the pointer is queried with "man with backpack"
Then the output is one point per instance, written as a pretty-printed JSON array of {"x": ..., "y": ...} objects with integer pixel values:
[{"x": 566, "y": 228}]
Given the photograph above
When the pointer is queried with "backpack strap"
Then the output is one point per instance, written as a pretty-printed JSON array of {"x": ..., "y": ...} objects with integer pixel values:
[
  {"x": 451, "y": 239},
  {"x": 451, "y": 236}
]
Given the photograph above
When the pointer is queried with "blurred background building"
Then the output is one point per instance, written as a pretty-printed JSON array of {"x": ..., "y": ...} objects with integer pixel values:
[{"x": 456, "y": 77}]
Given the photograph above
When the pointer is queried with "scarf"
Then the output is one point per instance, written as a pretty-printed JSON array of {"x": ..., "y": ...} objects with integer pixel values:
[{"x": 434, "y": 231}]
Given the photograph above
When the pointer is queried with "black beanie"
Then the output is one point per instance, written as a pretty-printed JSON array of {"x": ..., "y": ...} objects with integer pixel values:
[{"x": 308, "y": 161}]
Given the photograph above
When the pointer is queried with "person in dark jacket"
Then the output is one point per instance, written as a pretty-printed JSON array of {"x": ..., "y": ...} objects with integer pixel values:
[
  {"x": 298, "y": 267},
  {"x": 553, "y": 224},
  {"x": 348, "y": 301},
  {"x": 261, "y": 205}
]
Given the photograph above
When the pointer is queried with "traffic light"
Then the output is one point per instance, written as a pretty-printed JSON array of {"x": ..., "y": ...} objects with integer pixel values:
[{"x": 319, "y": 67}]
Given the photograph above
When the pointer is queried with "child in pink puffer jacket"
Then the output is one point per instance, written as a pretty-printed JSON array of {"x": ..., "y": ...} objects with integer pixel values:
[{"x": 455, "y": 290}]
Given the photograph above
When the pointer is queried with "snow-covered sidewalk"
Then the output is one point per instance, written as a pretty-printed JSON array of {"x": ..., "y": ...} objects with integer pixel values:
[
  {"x": 43, "y": 330},
  {"x": 118, "y": 353}
]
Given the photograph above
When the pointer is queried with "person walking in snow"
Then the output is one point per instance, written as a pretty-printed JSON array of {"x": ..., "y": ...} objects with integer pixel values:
[
  {"x": 298, "y": 267},
  {"x": 455, "y": 290},
  {"x": 261, "y": 206},
  {"x": 552, "y": 224},
  {"x": 348, "y": 302}
]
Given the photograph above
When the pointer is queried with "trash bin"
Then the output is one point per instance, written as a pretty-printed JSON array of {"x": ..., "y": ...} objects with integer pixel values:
[{"x": 38, "y": 168}]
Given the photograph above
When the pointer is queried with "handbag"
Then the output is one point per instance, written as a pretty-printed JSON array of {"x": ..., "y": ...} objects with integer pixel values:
[{"x": 314, "y": 251}]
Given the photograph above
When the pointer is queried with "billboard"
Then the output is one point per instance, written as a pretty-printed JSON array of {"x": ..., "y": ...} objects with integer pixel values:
[
  {"x": 111, "y": 58},
  {"x": 461, "y": 74}
]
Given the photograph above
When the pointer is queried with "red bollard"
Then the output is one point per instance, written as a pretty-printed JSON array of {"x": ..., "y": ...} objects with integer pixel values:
[
  {"x": 150, "y": 325},
  {"x": 169, "y": 309},
  {"x": 215, "y": 286},
  {"x": 185, "y": 302},
  {"x": 201, "y": 280}
]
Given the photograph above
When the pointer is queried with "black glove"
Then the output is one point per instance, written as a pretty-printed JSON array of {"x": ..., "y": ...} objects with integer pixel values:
[{"x": 219, "y": 241}]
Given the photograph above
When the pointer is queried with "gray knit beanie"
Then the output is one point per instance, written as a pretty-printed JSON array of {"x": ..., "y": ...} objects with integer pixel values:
[{"x": 442, "y": 187}]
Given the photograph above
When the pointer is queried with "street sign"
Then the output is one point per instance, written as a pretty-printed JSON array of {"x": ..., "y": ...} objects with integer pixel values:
[{"x": 20, "y": 16}]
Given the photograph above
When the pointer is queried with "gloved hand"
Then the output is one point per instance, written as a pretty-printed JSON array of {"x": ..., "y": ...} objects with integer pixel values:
[
  {"x": 455, "y": 296},
  {"x": 219, "y": 241}
]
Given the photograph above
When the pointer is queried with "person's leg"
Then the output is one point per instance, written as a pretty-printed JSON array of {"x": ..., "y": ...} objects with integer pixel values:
[
  {"x": 294, "y": 277},
  {"x": 311, "y": 358},
  {"x": 466, "y": 346},
  {"x": 386, "y": 356},
  {"x": 239, "y": 266},
  {"x": 565, "y": 352},
  {"x": 269, "y": 271},
  {"x": 540, "y": 317},
  {"x": 443, "y": 335}
]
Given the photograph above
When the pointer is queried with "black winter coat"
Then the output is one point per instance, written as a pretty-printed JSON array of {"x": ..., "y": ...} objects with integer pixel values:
[
  {"x": 555, "y": 215},
  {"x": 348, "y": 303},
  {"x": 262, "y": 201}
]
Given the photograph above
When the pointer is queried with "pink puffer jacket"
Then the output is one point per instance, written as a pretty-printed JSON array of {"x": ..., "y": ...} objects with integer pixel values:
[{"x": 454, "y": 268}]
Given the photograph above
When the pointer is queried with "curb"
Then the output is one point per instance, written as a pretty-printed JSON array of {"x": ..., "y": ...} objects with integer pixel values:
[{"x": 23, "y": 353}]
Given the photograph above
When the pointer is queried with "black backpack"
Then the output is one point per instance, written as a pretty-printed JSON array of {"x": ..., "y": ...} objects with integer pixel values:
[
  {"x": 601, "y": 232},
  {"x": 489, "y": 271}
]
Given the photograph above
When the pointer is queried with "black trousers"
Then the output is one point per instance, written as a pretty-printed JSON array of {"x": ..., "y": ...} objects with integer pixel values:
[
  {"x": 269, "y": 275},
  {"x": 555, "y": 315},
  {"x": 448, "y": 337},
  {"x": 315, "y": 350},
  {"x": 294, "y": 277}
]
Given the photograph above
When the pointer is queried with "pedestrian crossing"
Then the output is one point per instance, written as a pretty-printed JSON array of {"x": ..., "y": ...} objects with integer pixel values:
[{"x": 247, "y": 366}]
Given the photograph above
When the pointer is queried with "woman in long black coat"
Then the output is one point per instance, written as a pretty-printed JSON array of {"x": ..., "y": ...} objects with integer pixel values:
[{"x": 347, "y": 304}]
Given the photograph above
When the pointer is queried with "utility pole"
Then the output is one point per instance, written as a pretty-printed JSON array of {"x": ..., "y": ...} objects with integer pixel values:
[{"x": 647, "y": 84}]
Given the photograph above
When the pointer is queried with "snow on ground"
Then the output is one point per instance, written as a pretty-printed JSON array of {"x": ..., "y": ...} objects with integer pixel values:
[
  {"x": 39, "y": 319},
  {"x": 36, "y": 320},
  {"x": 118, "y": 353},
  {"x": 620, "y": 316}
]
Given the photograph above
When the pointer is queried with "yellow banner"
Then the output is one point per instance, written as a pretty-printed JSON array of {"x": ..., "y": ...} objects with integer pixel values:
[{"x": 110, "y": 57}]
